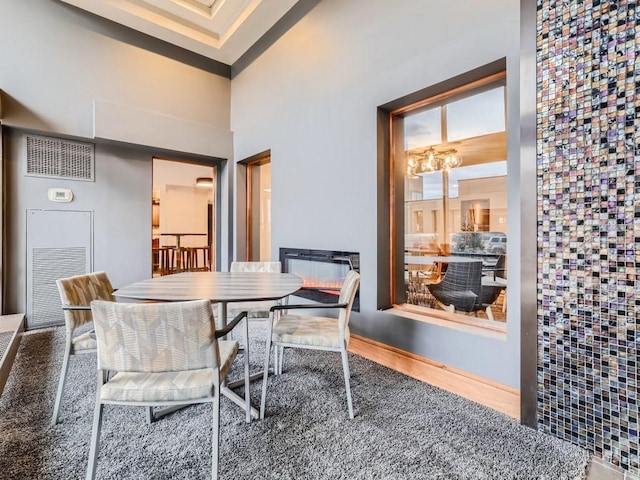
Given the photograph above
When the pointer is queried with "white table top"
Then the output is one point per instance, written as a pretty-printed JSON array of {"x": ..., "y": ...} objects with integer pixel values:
[{"x": 214, "y": 286}]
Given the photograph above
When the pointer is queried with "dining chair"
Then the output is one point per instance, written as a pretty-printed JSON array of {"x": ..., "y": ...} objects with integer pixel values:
[
  {"x": 168, "y": 260},
  {"x": 500, "y": 273},
  {"x": 497, "y": 270},
  {"x": 258, "y": 309},
  {"x": 162, "y": 354},
  {"x": 198, "y": 259},
  {"x": 420, "y": 273},
  {"x": 76, "y": 293},
  {"x": 155, "y": 255},
  {"x": 312, "y": 332},
  {"x": 460, "y": 287}
]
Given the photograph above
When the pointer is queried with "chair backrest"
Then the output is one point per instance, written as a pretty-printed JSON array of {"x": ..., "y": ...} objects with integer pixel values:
[
  {"x": 500, "y": 269},
  {"x": 347, "y": 295},
  {"x": 460, "y": 277},
  {"x": 463, "y": 276},
  {"x": 81, "y": 290},
  {"x": 155, "y": 337},
  {"x": 268, "y": 267}
]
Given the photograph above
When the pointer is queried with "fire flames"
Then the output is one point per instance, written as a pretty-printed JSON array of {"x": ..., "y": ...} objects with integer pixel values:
[{"x": 320, "y": 284}]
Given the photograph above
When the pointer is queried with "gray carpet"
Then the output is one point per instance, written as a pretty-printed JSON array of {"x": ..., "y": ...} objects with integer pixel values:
[{"x": 403, "y": 428}]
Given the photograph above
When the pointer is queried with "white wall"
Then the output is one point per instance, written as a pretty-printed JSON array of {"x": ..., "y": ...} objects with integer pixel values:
[{"x": 311, "y": 100}]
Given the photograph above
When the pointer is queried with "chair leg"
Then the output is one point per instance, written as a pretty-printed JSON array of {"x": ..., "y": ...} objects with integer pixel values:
[
  {"x": 150, "y": 416},
  {"x": 95, "y": 434},
  {"x": 489, "y": 312},
  {"x": 247, "y": 392},
  {"x": 276, "y": 362},
  {"x": 215, "y": 440},
  {"x": 447, "y": 308},
  {"x": 265, "y": 375},
  {"x": 280, "y": 359},
  {"x": 345, "y": 367},
  {"x": 63, "y": 378}
]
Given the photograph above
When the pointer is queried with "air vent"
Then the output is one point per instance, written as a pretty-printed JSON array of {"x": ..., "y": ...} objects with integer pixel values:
[
  {"x": 53, "y": 157},
  {"x": 49, "y": 264}
]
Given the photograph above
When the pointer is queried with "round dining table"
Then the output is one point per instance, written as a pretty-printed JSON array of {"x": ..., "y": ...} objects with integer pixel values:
[{"x": 218, "y": 287}]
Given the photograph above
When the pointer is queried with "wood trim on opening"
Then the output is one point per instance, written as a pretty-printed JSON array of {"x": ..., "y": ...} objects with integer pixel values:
[
  {"x": 396, "y": 197},
  {"x": 251, "y": 162},
  {"x": 495, "y": 78}
]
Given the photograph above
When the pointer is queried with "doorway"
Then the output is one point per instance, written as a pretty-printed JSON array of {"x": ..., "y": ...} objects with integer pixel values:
[
  {"x": 259, "y": 209},
  {"x": 183, "y": 216}
]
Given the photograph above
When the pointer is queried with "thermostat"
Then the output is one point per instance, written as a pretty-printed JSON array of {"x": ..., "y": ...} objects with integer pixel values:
[{"x": 60, "y": 195}]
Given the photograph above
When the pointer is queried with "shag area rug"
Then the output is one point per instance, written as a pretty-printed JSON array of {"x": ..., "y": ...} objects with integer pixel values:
[{"x": 404, "y": 429}]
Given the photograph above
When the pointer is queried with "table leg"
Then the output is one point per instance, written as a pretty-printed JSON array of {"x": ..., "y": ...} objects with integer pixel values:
[{"x": 223, "y": 314}]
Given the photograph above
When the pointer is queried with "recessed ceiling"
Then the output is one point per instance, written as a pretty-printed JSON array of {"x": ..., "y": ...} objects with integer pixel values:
[{"x": 222, "y": 30}]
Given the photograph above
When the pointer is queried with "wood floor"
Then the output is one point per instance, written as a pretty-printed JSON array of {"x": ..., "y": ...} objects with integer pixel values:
[
  {"x": 486, "y": 392},
  {"x": 12, "y": 326}
]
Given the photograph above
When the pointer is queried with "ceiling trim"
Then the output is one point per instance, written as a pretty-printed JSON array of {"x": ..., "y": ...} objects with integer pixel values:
[
  {"x": 154, "y": 44},
  {"x": 147, "y": 42}
]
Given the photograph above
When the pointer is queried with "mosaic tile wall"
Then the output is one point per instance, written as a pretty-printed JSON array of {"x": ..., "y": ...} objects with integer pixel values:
[{"x": 588, "y": 179}]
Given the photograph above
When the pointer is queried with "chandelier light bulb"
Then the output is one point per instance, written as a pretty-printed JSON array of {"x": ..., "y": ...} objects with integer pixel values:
[{"x": 431, "y": 160}]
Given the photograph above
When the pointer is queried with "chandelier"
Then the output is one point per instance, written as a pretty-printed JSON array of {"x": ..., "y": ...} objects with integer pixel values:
[{"x": 432, "y": 160}]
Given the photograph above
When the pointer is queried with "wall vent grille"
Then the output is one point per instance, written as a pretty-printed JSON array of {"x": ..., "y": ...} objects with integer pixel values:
[
  {"x": 49, "y": 264},
  {"x": 53, "y": 157}
]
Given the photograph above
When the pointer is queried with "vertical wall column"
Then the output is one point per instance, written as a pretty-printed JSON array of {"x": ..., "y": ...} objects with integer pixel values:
[
  {"x": 2, "y": 208},
  {"x": 588, "y": 182}
]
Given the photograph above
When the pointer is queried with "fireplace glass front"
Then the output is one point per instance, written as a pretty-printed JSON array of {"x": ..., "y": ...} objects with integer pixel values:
[{"x": 322, "y": 272}]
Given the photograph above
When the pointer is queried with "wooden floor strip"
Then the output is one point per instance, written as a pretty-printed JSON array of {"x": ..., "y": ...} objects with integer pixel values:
[
  {"x": 14, "y": 325},
  {"x": 480, "y": 390}
]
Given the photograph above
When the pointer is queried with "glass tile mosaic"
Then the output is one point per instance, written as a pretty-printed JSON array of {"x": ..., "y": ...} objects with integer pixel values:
[{"x": 588, "y": 182}]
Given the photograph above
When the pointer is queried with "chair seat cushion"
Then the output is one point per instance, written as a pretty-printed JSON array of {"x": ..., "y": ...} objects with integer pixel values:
[
  {"x": 168, "y": 386},
  {"x": 311, "y": 331},
  {"x": 85, "y": 341}
]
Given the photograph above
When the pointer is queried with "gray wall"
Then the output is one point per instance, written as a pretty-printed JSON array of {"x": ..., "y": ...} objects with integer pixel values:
[
  {"x": 311, "y": 99},
  {"x": 57, "y": 60},
  {"x": 68, "y": 73},
  {"x": 119, "y": 200}
]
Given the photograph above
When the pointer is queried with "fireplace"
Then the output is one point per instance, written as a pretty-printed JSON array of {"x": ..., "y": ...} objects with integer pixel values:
[{"x": 322, "y": 272}]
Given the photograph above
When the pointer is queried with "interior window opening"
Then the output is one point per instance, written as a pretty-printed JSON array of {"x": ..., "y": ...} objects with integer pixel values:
[{"x": 452, "y": 153}]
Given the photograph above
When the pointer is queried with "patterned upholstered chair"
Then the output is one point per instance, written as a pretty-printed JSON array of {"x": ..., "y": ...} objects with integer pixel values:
[
  {"x": 255, "y": 309},
  {"x": 162, "y": 354},
  {"x": 316, "y": 333},
  {"x": 76, "y": 293}
]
